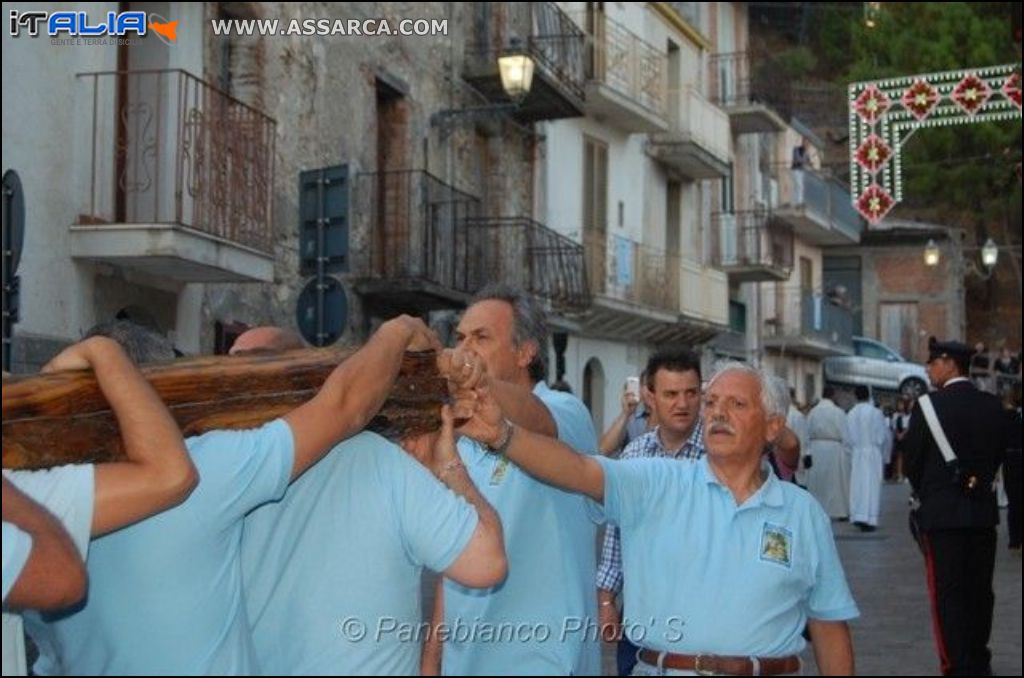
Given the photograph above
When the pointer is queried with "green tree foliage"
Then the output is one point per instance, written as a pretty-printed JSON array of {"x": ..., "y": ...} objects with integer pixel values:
[{"x": 965, "y": 169}]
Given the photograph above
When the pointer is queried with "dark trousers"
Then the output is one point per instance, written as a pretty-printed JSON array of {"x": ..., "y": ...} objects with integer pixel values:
[
  {"x": 625, "y": 656},
  {"x": 960, "y": 564},
  {"x": 1012, "y": 483}
]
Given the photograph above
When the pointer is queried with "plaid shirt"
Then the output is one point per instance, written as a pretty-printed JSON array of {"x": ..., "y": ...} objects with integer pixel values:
[{"x": 609, "y": 572}]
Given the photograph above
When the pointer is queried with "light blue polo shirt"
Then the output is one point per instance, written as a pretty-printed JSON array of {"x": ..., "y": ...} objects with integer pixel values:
[
  {"x": 17, "y": 547},
  {"x": 332, "y": 571},
  {"x": 706, "y": 576},
  {"x": 165, "y": 594},
  {"x": 68, "y": 492},
  {"x": 543, "y": 618}
]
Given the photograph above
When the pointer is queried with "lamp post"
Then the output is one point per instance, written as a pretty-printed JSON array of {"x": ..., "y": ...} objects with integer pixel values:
[{"x": 989, "y": 258}]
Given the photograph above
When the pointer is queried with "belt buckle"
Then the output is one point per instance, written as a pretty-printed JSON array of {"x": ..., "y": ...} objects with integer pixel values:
[{"x": 697, "y": 665}]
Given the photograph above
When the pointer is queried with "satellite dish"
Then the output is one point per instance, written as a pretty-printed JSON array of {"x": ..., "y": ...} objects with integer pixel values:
[{"x": 322, "y": 311}]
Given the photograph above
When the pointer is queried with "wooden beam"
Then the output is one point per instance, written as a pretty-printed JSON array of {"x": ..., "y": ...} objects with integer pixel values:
[{"x": 63, "y": 418}]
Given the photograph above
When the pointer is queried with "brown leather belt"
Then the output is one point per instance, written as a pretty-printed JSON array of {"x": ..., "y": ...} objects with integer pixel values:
[{"x": 713, "y": 664}]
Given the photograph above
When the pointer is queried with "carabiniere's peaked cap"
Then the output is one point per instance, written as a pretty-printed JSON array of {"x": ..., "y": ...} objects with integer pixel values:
[{"x": 948, "y": 349}]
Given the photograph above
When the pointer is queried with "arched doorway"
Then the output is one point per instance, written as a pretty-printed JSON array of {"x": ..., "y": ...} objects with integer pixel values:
[{"x": 593, "y": 392}]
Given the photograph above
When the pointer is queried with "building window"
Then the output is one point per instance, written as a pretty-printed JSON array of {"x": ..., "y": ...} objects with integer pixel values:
[
  {"x": 737, "y": 317},
  {"x": 241, "y": 59},
  {"x": 593, "y": 391},
  {"x": 728, "y": 204}
]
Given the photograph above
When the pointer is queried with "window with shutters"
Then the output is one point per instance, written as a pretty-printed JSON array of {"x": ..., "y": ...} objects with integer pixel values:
[
  {"x": 595, "y": 211},
  {"x": 595, "y": 185},
  {"x": 323, "y": 220},
  {"x": 241, "y": 58},
  {"x": 806, "y": 273}
]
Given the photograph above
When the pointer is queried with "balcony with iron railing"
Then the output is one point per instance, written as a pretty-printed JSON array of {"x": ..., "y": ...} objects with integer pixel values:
[
  {"x": 180, "y": 178},
  {"x": 697, "y": 143},
  {"x": 530, "y": 256},
  {"x": 749, "y": 247},
  {"x": 550, "y": 37},
  {"x": 414, "y": 241},
  {"x": 754, "y": 95},
  {"x": 642, "y": 291},
  {"x": 805, "y": 322},
  {"x": 817, "y": 206},
  {"x": 626, "y": 76}
]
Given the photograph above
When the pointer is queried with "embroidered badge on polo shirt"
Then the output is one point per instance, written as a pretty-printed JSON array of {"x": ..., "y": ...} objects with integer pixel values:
[
  {"x": 776, "y": 544},
  {"x": 500, "y": 471}
]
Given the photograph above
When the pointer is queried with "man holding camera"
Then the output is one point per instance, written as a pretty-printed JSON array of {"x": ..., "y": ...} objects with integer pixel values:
[{"x": 958, "y": 513}]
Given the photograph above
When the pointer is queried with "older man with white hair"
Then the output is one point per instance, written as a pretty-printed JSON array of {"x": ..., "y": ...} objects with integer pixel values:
[{"x": 726, "y": 563}]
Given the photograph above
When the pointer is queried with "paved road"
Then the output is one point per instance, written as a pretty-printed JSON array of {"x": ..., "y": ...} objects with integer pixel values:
[{"x": 893, "y": 636}]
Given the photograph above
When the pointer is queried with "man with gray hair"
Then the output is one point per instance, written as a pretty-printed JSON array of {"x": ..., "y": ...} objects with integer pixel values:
[
  {"x": 726, "y": 563},
  {"x": 143, "y": 345},
  {"x": 548, "y": 537}
]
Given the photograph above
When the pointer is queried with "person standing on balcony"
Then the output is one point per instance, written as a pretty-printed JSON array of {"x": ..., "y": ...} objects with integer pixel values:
[
  {"x": 829, "y": 476},
  {"x": 549, "y": 538},
  {"x": 801, "y": 162},
  {"x": 867, "y": 432}
]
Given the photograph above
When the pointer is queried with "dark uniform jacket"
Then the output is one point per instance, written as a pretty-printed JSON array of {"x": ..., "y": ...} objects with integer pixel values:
[{"x": 975, "y": 427}]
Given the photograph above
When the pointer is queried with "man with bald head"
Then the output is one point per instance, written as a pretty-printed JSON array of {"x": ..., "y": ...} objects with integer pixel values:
[
  {"x": 308, "y": 588},
  {"x": 265, "y": 339},
  {"x": 725, "y": 563},
  {"x": 166, "y": 594}
]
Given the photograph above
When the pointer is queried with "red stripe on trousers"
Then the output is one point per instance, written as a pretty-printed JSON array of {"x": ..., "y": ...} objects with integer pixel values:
[{"x": 929, "y": 563}]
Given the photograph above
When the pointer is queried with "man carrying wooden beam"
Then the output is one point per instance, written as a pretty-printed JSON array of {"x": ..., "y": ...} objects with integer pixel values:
[
  {"x": 332, "y": 571},
  {"x": 166, "y": 594}
]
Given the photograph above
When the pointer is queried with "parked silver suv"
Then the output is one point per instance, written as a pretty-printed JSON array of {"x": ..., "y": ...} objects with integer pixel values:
[{"x": 875, "y": 364}]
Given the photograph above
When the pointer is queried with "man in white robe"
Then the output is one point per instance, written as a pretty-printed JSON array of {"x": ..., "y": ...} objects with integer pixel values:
[
  {"x": 828, "y": 479},
  {"x": 797, "y": 423},
  {"x": 867, "y": 433}
]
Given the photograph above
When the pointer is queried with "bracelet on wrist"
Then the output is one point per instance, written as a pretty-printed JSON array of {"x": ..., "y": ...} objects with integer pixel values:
[
  {"x": 501, "y": 447},
  {"x": 448, "y": 468}
]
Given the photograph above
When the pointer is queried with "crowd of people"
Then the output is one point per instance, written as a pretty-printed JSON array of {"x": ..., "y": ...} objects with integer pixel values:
[{"x": 297, "y": 547}]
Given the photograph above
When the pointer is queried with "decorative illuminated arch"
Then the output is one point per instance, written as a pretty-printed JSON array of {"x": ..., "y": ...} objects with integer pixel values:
[{"x": 884, "y": 114}]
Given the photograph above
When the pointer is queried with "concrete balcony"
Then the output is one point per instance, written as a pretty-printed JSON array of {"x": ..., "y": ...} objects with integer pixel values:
[
  {"x": 698, "y": 141},
  {"x": 418, "y": 247},
  {"x": 750, "y": 96},
  {"x": 639, "y": 292},
  {"x": 802, "y": 322},
  {"x": 626, "y": 77},
  {"x": 818, "y": 208},
  {"x": 750, "y": 247},
  {"x": 550, "y": 37},
  {"x": 521, "y": 252},
  {"x": 180, "y": 179}
]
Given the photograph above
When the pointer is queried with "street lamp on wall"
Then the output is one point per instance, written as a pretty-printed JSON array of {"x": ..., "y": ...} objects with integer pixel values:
[
  {"x": 515, "y": 66},
  {"x": 989, "y": 254},
  {"x": 932, "y": 253}
]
